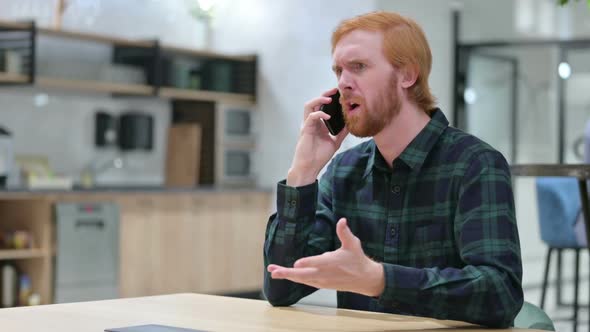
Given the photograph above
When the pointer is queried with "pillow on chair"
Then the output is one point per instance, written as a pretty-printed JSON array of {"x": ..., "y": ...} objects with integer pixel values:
[{"x": 558, "y": 203}]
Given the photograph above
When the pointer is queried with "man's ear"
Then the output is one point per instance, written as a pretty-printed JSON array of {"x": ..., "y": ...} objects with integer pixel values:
[{"x": 409, "y": 76}]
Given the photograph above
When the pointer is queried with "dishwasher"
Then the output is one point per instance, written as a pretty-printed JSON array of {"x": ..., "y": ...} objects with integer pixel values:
[{"x": 87, "y": 252}]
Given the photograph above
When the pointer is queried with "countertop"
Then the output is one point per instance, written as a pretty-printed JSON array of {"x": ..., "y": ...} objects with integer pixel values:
[{"x": 130, "y": 190}]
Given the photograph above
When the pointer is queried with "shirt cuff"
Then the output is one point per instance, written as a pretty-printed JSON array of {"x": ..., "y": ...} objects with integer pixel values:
[
  {"x": 296, "y": 202},
  {"x": 401, "y": 282}
]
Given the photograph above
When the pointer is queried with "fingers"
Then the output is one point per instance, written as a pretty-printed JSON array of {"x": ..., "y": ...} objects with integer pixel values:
[
  {"x": 313, "y": 261},
  {"x": 271, "y": 267},
  {"x": 318, "y": 115},
  {"x": 300, "y": 275},
  {"x": 348, "y": 240},
  {"x": 313, "y": 122},
  {"x": 314, "y": 104},
  {"x": 330, "y": 92}
]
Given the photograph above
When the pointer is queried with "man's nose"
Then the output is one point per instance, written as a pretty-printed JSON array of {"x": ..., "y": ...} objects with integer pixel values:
[{"x": 345, "y": 81}]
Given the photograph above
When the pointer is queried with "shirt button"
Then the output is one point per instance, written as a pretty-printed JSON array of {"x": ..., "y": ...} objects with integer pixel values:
[
  {"x": 293, "y": 203},
  {"x": 396, "y": 189}
]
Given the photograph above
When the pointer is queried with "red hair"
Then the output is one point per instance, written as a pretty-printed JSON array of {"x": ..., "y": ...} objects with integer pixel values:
[{"x": 404, "y": 46}]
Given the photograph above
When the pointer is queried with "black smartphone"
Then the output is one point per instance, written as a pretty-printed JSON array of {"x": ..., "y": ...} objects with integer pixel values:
[{"x": 334, "y": 109}]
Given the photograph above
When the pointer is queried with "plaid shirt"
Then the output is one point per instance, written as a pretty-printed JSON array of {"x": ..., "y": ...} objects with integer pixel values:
[{"x": 441, "y": 220}]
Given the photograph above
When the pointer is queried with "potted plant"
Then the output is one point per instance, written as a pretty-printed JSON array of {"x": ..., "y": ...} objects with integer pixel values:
[{"x": 565, "y": 2}]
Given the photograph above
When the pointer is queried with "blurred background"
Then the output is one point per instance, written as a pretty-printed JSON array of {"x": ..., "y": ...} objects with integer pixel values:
[{"x": 141, "y": 140}]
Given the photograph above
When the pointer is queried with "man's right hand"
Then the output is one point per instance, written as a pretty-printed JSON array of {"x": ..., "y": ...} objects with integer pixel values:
[{"x": 315, "y": 146}]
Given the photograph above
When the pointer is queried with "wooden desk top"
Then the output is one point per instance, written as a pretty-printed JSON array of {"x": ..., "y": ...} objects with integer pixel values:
[{"x": 211, "y": 313}]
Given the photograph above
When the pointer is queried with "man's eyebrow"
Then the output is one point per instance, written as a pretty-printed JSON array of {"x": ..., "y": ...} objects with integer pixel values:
[
  {"x": 350, "y": 62},
  {"x": 356, "y": 60}
]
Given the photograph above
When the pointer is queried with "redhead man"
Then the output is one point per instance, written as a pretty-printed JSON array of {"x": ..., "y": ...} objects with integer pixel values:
[{"x": 418, "y": 220}]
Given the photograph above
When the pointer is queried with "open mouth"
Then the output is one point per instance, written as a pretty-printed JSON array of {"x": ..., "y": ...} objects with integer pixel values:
[{"x": 353, "y": 106}]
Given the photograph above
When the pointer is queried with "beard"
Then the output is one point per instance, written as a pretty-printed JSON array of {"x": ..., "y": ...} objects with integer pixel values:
[{"x": 373, "y": 118}]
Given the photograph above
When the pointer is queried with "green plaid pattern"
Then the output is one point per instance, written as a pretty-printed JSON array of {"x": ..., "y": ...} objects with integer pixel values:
[{"x": 441, "y": 220}]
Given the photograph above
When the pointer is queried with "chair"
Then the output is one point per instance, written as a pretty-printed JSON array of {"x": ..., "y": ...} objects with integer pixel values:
[
  {"x": 559, "y": 206},
  {"x": 532, "y": 317}
]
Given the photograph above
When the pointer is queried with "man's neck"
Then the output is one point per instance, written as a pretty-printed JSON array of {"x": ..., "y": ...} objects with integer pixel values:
[{"x": 396, "y": 136}]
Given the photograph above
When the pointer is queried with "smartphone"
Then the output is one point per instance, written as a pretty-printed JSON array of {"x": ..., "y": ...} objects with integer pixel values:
[{"x": 334, "y": 109}]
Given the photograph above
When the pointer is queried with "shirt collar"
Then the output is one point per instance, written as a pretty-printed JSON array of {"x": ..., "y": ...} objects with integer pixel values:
[{"x": 416, "y": 152}]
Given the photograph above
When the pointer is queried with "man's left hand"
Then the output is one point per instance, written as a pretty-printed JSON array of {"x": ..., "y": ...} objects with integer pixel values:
[{"x": 346, "y": 269}]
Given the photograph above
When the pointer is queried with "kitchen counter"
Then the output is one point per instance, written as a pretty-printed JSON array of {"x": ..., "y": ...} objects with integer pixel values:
[
  {"x": 185, "y": 231},
  {"x": 23, "y": 191}
]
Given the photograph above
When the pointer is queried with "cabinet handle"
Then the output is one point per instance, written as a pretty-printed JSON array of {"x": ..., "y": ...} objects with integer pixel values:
[{"x": 99, "y": 224}]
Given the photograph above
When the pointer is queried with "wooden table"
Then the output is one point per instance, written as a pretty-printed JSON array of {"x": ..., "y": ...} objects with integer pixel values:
[{"x": 211, "y": 313}]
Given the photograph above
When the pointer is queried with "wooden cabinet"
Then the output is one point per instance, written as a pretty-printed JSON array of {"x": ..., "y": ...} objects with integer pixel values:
[
  {"x": 198, "y": 243},
  {"x": 170, "y": 242},
  {"x": 33, "y": 216}
]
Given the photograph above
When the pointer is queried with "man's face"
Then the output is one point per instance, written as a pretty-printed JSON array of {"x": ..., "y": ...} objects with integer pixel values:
[{"x": 367, "y": 82}]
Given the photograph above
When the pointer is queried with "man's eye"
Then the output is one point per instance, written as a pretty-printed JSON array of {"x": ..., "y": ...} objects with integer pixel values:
[{"x": 358, "y": 66}]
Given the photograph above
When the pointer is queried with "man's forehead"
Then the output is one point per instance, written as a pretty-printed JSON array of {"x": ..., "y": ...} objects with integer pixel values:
[
  {"x": 349, "y": 53},
  {"x": 357, "y": 44}
]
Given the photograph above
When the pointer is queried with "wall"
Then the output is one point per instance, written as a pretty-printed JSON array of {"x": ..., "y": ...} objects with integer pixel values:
[{"x": 63, "y": 130}]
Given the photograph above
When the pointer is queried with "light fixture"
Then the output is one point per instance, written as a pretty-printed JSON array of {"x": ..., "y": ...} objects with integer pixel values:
[
  {"x": 206, "y": 5},
  {"x": 41, "y": 100},
  {"x": 565, "y": 70},
  {"x": 470, "y": 96},
  {"x": 201, "y": 9}
]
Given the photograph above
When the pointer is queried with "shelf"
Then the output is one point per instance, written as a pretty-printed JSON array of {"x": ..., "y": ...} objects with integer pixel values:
[
  {"x": 129, "y": 89},
  {"x": 154, "y": 59},
  {"x": 176, "y": 93},
  {"x": 95, "y": 38},
  {"x": 209, "y": 54},
  {"x": 15, "y": 25},
  {"x": 78, "y": 35},
  {"x": 95, "y": 86},
  {"x": 13, "y": 78},
  {"x": 9, "y": 254}
]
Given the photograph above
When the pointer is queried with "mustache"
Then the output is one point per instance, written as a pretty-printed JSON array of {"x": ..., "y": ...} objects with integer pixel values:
[{"x": 350, "y": 97}]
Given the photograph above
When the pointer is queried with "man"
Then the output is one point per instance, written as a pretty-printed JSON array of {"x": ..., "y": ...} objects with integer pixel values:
[{"x": 418, "y": 220}]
